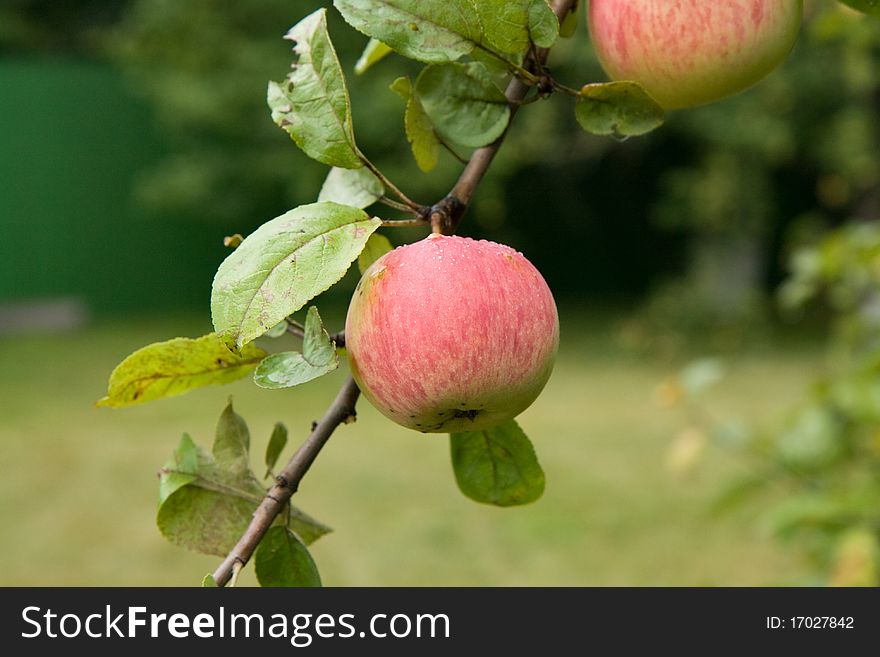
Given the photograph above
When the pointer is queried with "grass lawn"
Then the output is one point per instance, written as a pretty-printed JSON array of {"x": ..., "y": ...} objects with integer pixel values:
[{"x": 78, "y": 492}]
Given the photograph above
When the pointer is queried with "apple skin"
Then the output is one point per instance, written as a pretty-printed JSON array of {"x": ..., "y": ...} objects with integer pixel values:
[
  {"x": 451, "y": 334},
  {"x": 692, "y": 52}
]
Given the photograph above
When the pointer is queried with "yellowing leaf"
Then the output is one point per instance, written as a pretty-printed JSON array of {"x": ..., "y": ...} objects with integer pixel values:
[
  {"x": 377, "y": 246},
  {"x": 374, "y": 52},
  {"x": 167, "y": 369},
  {"x": 419, "y": 128}
]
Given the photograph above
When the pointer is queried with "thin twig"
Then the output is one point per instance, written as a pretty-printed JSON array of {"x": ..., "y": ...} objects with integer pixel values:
[
  {"x": 391, "y": 203},
  {"x": 565, "y": 89},
  {"x": 405, "y": 223},
  {"x": 341, "y": 410},
  {"x": 516, "y": 69},
  {"x": 450, "y": 150},
  {"x": 448, "y": 212},
  {"x": 295, "y": 328},
  {"x": 410, "y": 204}
]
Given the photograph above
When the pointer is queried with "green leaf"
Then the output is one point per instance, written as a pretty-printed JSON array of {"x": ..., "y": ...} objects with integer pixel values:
[
  {"x": 306, "y": 527},
  {"x": 510, "y": 25},
  {"x": 505, "y": 24},
  {"x": 499, "y": 67},
  {"x": 211, "y": 522},
  {"x": 277, "y": 331},
  {"x": 180, "y": 470},
  {"x": 543, "y": 24},
  {"x": 312, "y": 103},
  {"x": 282, "y": 560},
  {"x": 419, "y": 129},
  {"x": 207, "y": 504},
  {"x": 283, "y": 264},
  {"x": 232, "y": 443},
  {"x": 276, "y": 444},
  {"x": 569, "y": 25},
  {"x": 205, "y": 520},
  {"x": 208, "y": 582},
  {"x": 463, "y": 103},
  {"x": 291, "y": 368},
  {"x": 619, "y": 109},
  {"x": 377, "y": 246},
  {"x": 167, "y": 369},
  {"x": 357, "y": 188},
  {"x": 213, "y": 509},
  {"x": 497, "y": 466},
  {"x": 375, "y": 52},
  {"x": 870, "y": 7},
  {"x": 426, "y": 30}
]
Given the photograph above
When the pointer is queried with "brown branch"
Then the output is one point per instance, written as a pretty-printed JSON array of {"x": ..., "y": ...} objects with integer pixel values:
[
  {"x": 342, "y": 410},
  {"x": 445, "y": 216}
]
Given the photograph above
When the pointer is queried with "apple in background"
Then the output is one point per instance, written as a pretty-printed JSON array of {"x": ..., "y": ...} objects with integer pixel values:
[
  {"x": 692, "y": 52},
  {"x": 451, "y": 334}
]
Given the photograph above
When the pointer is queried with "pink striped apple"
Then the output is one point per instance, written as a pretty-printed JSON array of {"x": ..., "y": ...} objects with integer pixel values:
[
  {"x": 451, "y": 334},
  {"x": 692, "y": 52}
]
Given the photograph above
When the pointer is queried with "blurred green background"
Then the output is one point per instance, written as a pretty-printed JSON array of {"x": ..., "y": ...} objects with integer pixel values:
[{"x": 135, "y": 137}]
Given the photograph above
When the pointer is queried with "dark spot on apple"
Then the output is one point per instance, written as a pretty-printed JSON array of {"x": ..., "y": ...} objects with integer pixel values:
[{"x": 470, "y": 413}]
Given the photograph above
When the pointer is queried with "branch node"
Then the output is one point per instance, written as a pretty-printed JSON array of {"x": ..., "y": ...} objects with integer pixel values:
[
  {"x": 339, "y": 339},
  {"x": 446, "y": 214},
  {"x": 546, "y": 84}
]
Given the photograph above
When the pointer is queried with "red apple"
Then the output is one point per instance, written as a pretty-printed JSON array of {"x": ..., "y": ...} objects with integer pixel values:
[
  {"x": 451, "y": 334},
  {"x": 692, "y": 52}
]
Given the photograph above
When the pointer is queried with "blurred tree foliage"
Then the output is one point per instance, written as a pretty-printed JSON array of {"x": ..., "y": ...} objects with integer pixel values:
[
  {"x": 56, "y": 26},
  {"x": 816, "y": 472}
]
